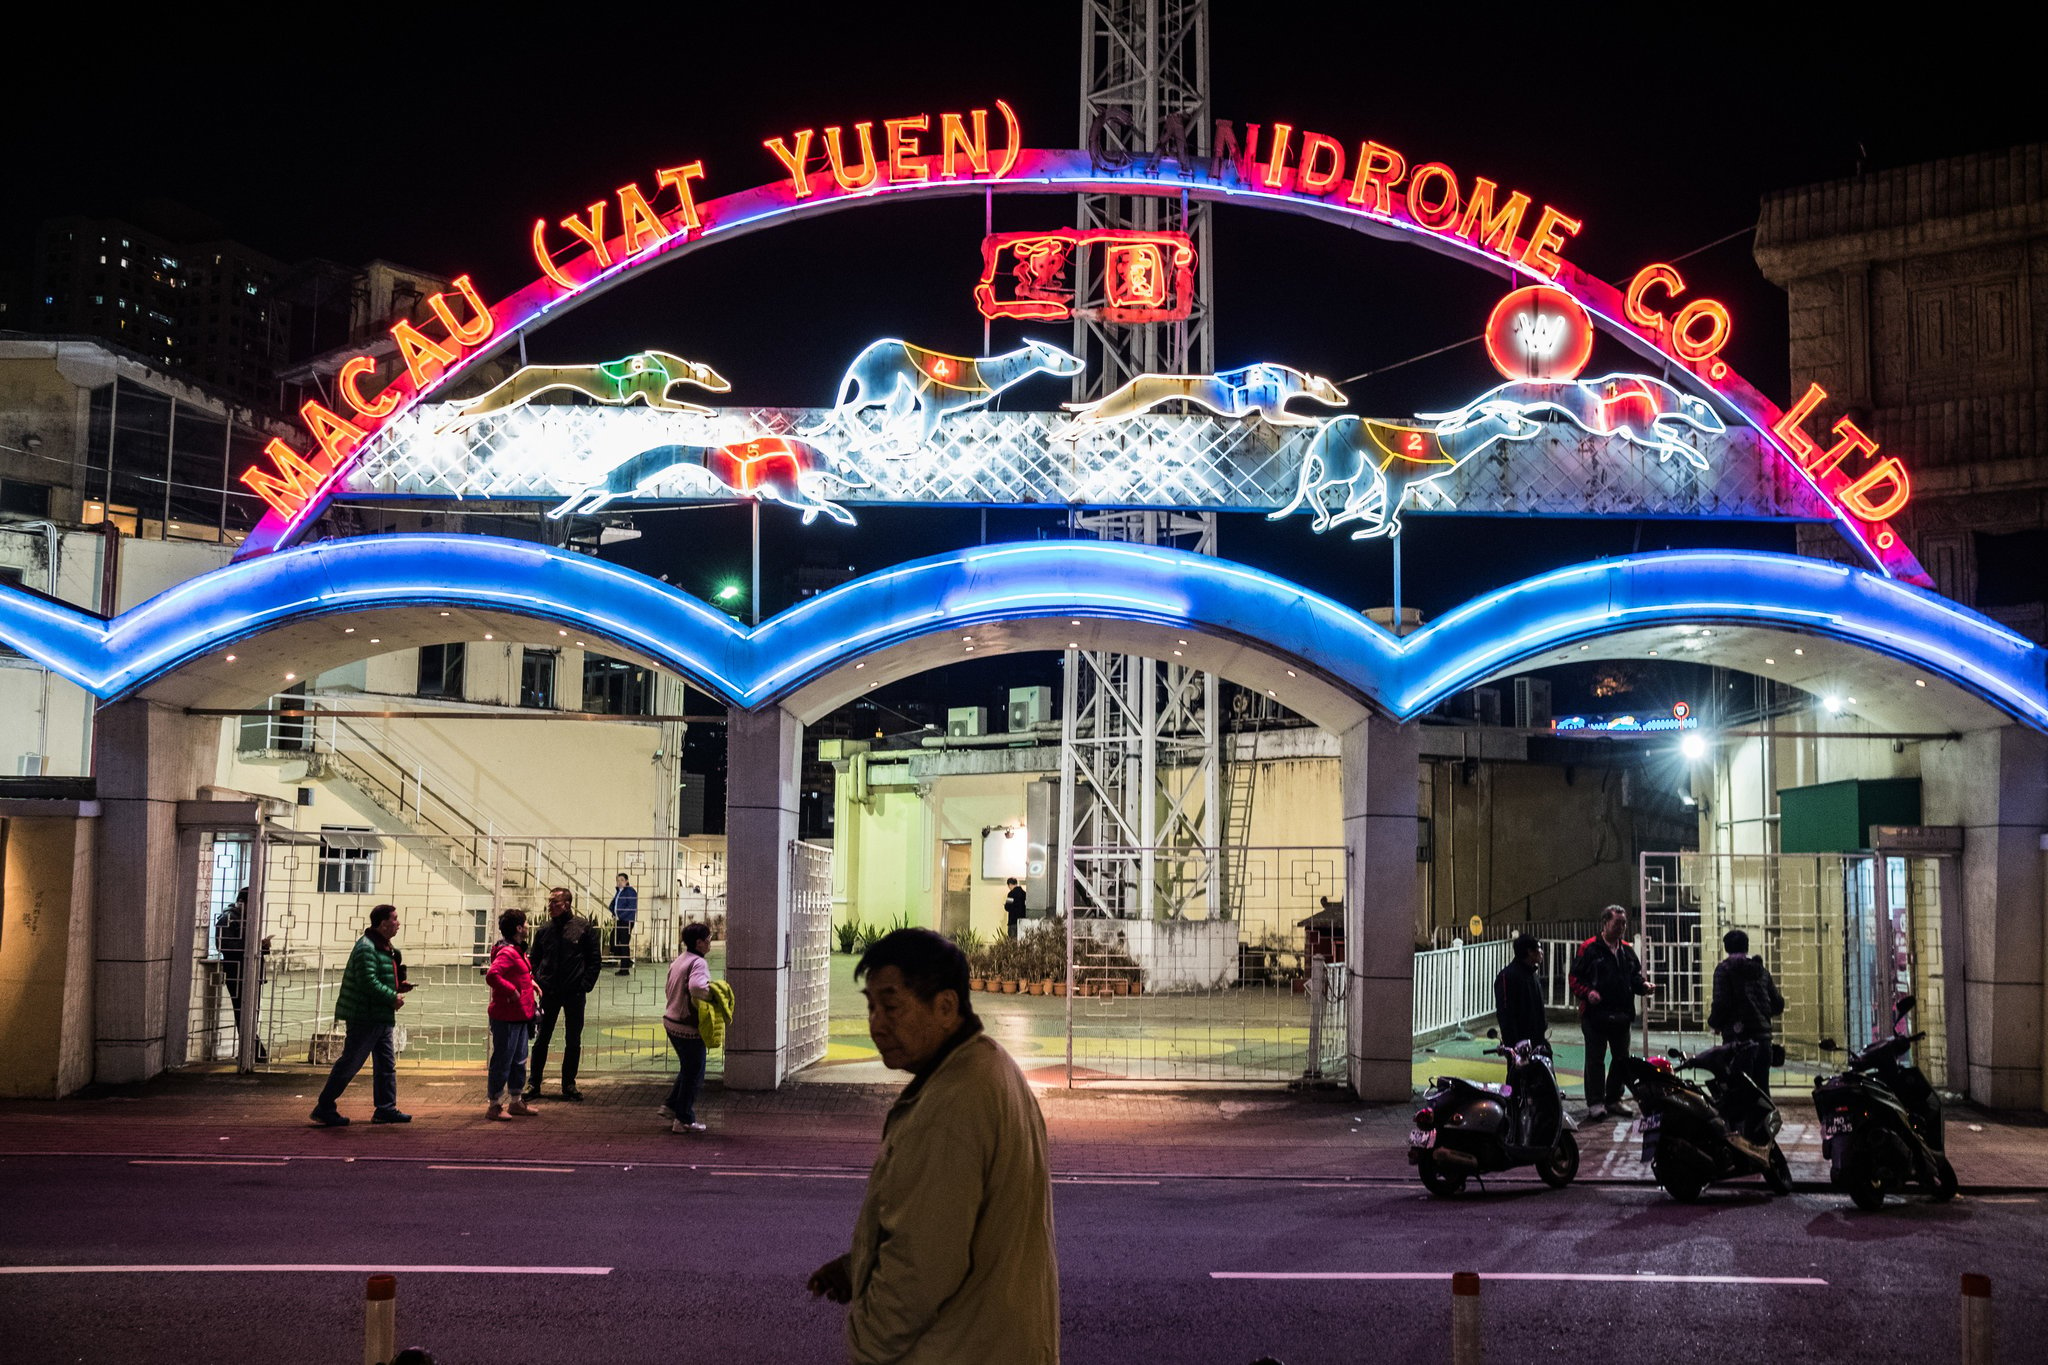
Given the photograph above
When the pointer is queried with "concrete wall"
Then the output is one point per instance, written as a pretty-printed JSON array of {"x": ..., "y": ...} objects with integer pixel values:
[{"x": 46, "y": 952}]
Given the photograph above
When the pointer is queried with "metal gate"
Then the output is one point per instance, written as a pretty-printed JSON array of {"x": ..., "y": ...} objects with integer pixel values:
[
  {"x": 1844, "y": 935},
  {"x": 313, "y": 901},
  {"x": 1203, "y": 996},
  {"x": 810, "y": 952}
]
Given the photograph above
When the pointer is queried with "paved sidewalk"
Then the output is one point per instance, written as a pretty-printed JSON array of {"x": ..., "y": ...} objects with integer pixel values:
[{"x": 809, "y": 1125}]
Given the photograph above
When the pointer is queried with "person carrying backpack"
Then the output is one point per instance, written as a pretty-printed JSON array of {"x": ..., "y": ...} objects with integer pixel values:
[{"x": 689, "y": 987}]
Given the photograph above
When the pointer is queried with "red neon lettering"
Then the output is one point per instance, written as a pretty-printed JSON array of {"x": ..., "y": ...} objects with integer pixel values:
[
  {"x": 1380, "y": 168},
  {"x": 1856, "y": 497},
  {"x": 1853, "y": 442},
  {"x": 1412, "y": 444},
  {"x": 1483, "y": 227},
  {"x": 337, "y": 435},
  {"x": 902, "y": 147},
  {"x": 1014, "y": 148},
  {"x": 481, "y": 323},
  {"x": 1687, "y": 344},
  {"x": 419, "y": 350},
  {"x": 954, "y": 143},
  {"x": 1134, "y": 275},
  {"x": 1547, "y": 240},
  {"x": 1442, "y": 214},
  {"x": 1646, "y": 279},
  {"x": 793, "y": 161},
  {"x": 1277, "y": 157},
  {"x": 292, "y": 486},
  {"x": 835, "y": 154},
  {"x": 1311, "y": 178},
  {"x": 546, "y": 258},
  {"x": 591, "y": 234},
  {"x": 1787, "y": 427},
  {"x": 678, "y": 178},
  {"x": 353, "y": 370},
  {"x": 637, "y": 220}
]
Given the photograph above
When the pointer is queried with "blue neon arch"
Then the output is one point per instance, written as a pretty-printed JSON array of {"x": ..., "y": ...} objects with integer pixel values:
[{"x": 1166, "y": 588}]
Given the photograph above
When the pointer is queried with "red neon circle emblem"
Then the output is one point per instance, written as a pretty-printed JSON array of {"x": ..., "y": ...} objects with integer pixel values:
[
  {"x": 1539, "y": 332},
  {"x": 1680, "y": 710}
]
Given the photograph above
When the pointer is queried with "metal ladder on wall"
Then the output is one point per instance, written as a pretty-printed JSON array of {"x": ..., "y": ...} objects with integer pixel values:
[{"x": 1240, "y": 773}]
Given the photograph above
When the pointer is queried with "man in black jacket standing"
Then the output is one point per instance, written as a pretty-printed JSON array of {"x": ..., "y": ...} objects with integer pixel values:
[
  {"x": 565, "y": 967},
  {"x": 1746, "y": 1000},
  {"x": 1607, "y": 976},
  {"x": 1518, "y": 995}
]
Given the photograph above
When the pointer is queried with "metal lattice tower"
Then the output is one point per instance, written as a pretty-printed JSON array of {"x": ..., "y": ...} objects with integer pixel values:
[{"x": 1139, "y": 760}]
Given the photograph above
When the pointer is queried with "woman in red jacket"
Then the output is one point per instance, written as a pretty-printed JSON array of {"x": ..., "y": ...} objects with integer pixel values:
[{"x": 514, "y": 1000}]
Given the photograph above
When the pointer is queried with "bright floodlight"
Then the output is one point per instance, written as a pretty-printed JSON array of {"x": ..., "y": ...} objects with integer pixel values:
[
  {"x": 728, "y": 592},
  {"x": 1834, "y": 705},
  {"x": 1694, "y": 747}
]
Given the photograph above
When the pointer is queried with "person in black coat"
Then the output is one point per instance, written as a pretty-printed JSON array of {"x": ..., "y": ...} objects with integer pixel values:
[
  {"x": 1518, "y": 995},
  {"x": 565, "y": 967},
  {"x": 1746, "y": 1001},
  {"x": 1607, "y": 976}
]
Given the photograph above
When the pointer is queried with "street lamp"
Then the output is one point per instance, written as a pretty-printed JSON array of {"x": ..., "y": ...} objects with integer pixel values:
[
  {"x": 1694, "y": 747},
  {"x": 728, "y": 597}
]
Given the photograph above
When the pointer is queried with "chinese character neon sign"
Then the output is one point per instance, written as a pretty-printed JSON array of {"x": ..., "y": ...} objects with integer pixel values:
[{"x": 1145, "y": 276}]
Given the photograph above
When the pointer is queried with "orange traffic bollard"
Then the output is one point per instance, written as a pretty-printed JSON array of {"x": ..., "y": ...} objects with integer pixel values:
[
  {"x": 1979, "y": 1343},
  {"x": 1465, "y": 1318},
  {"x": 380, "y": 1320}
]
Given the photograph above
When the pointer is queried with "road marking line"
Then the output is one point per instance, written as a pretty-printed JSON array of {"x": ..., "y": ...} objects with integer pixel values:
[
  {"x": 789, "y": 1175},
  {"x": 1327, "y": 1184},
  {"x": 548, "y": 1170},
  {"x": 1097, "y": 1180},
  {"x": 372, "y": 1269},
  {"x": 1645, "y": 1277},
  {"x": 209, "y": 1163},
  {"x": 2004, "y": 1199}
]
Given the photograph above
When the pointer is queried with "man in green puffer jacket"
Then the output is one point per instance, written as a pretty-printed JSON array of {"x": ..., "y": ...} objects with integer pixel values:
[{"x": 368, "y": 1003}]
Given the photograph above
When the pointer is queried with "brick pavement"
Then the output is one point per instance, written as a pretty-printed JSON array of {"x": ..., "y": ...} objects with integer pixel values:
[{"x": 1095, "y": 1131}]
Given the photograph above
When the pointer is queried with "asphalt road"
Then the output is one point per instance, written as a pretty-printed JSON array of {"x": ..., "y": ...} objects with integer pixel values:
[{"x": 705, "y": 1265}]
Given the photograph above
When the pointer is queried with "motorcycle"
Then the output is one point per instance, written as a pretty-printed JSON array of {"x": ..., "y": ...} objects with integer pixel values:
[
  {"x": 1465, "y": 1129},
  {"x": 1880, "y": 1121},
  {"x": 1687, "y": 1128}
]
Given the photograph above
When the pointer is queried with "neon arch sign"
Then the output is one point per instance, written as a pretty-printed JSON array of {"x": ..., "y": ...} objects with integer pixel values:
[{"x": 921, "y": 157}]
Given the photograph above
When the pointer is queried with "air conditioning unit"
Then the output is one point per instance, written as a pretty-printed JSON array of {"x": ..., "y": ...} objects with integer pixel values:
[
  {"x": 1532, "y": 703},
  {"x": 29, "y": 765},
  {"x": 965, "y": 722},
  {"x": 1029, "y": 706}
]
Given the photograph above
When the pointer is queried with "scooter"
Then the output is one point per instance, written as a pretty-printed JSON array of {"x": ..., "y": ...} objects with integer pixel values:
[
  {"x": 1686, "y": 1128},
  {"x": 1880, "y": 1121},
  {"x": 1465, "y": 1129}
]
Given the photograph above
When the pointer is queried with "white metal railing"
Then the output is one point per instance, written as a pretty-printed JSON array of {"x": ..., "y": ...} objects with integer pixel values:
[
  {"x": 810, "y": 952},
  {"x": 1454, "y": 985}
]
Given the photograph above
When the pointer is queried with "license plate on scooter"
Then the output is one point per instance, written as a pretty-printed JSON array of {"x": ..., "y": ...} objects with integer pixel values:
[{"x": 1649, "y": 1126}]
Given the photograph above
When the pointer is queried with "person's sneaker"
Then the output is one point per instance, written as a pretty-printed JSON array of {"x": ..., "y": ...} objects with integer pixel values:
[
  {"x": 570, "y": 1092},
  {"x": 522, "y": 1108},
  {"x": 497, "y": 1111},
  {"x": 1595, "y": 1112},
  {"x": 1620, "y": 1110},
  {"x": 532, "y": 1093},
  {"x": 665, "y": 1112},
  {"x": 330, "y": 1118},
  {"x": 623, "y": 971},
  {"x": 680, "y": 1127},
  {"x": 391, "y": 1116}
]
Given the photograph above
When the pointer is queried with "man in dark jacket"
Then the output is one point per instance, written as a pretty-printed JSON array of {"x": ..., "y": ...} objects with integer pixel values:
[
  {"x": 1607, "y": 976},
  {"x": 565, "y": 967},
  {"x": 1518, "y": 994},
  {"x": 1746, "y": 1000},
  {"x": 368, "y": 1004}
]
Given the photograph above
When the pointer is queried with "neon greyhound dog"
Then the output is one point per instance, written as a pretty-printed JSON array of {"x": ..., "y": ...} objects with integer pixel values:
[
  {"x": 1376, "y": 463},
  {"x": 646, "y": 376},
  {"x": 909, "y": 381},
  {"x": 1265, "y": 389},
  {"x": 772, "y": 467}
]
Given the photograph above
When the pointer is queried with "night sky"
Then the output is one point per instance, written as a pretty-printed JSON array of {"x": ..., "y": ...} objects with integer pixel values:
[{"x": 436, "y": 143}]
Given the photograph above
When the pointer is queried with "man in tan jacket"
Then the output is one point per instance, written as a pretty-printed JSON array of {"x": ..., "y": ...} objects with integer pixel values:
[{"x": 952, "y": 1256}]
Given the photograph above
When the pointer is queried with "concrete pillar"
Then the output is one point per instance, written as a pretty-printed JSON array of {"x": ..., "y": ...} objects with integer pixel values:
[
  {"x": 1994, "y": 783},
  {"x": 1380, "y": 784},
  {"x": 46, "y": 851},
  {"x": 762, "y": 752},
  {"x": 147, "y": 758}
]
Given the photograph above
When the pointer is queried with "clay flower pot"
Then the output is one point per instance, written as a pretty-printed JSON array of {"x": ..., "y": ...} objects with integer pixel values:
[
  {"x": 1009, "y": 988},
  {"x": 1059, "y": 988},
  {"x": 975, "y": 983}
]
